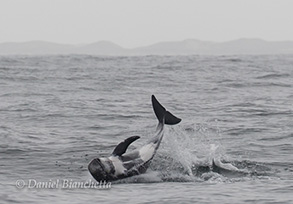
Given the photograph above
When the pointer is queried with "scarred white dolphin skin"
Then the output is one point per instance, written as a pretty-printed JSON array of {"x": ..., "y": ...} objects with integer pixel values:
[{"x": 122, "y": 165}]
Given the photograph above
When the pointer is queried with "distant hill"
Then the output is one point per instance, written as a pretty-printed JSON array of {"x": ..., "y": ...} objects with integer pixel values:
[
  {"x": 174, "y": 48},
  {"x": 185, "y": 47},
  {"x": 100, "y": 48}
]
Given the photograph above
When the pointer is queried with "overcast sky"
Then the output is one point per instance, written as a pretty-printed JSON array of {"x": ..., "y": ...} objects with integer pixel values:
[{"x": 132, "y": 23}]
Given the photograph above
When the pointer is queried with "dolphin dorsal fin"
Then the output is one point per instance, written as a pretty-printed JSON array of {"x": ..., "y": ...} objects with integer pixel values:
[{"x": 122, "y": 146}]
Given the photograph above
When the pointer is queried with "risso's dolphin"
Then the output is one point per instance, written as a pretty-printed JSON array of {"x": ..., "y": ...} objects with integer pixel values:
[{"x": 120, "y": 164}]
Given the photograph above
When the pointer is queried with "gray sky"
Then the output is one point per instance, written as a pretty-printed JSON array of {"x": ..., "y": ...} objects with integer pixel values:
[{"x": 132, "y": 23}]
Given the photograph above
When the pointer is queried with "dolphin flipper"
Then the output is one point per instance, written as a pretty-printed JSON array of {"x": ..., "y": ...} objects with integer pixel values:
[
  {"x": 162, "y": 114},
  {"x": 122, "y": 146}
]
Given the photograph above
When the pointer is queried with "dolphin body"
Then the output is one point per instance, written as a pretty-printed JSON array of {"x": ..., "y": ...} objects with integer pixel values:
[{"x": 122, "y": 165}]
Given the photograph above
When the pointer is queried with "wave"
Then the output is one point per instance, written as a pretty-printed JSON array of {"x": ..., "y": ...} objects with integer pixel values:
[
  {"x": 273, "y": 76},
  {"x": 283, "y": 137}
]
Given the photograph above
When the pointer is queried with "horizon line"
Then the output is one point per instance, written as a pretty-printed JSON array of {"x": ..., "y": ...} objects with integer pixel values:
[{"x": 167, "y": 41}]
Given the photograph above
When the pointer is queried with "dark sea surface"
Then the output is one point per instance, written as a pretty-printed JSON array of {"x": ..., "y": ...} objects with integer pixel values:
[{"x": 59, "y": 112}]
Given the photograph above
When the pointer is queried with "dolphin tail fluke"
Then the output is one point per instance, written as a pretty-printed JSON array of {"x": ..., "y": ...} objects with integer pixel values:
[{"x": 162, "y": 114}]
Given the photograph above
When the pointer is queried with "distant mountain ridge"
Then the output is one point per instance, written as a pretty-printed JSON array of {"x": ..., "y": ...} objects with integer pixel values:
[{"x": 185, "y": 47}]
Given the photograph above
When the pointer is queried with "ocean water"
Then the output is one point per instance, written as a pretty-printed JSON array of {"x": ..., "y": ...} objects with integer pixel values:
[{"x": 59, "y": 112}]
